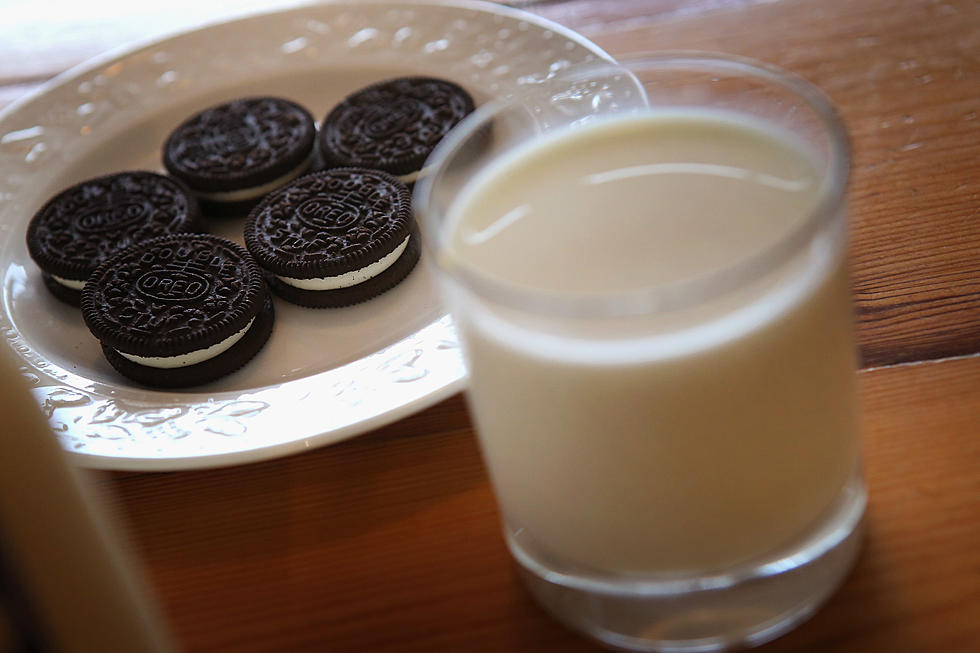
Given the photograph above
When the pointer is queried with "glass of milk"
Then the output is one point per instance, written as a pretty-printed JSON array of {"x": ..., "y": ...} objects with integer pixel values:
[{"x": 646, "y": 266}]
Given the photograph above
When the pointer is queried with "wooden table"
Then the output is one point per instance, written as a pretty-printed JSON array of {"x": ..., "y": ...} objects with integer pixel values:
[{"x": 390, "y": 541}]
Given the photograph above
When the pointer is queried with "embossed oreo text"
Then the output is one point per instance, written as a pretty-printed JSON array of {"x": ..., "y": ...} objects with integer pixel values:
[
  {"x": 113, "y": 217},
  {"x": 337, "y": 213},
  {"x": 172, "y": 285}
]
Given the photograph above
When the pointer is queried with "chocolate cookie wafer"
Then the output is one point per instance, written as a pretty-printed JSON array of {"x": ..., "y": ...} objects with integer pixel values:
[
  {"x": 179, "y": 310},
  {"x": 393, "y": 125},
  {"x": 234, "y": 153},
  {"x": 335, "y": 237},
  {"x": 80, "y": 227}
]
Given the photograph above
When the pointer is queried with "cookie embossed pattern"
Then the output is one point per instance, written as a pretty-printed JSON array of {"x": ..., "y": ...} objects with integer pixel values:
[
  {"x": 80, "y": 227},
  {"x": 385, "y": 358},
  {"x": 180, "y": 310},
  {"x": 393, "y": 125},
  {"x": 336, "y": 237},
  {"x": 233, "y": 153}
]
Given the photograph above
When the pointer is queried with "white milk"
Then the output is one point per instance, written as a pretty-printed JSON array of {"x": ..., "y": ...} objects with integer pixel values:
[{"x": 684, "y": 442}]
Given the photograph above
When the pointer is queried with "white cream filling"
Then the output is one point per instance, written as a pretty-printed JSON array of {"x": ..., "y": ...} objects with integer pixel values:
[
  {"x": 191, "y": 357},
  {"x": 252, "y": 192},
  {"x": 69, "y": 283},
  {"x": 351, "y": 278},
  {"x": 412, "y": 177}
]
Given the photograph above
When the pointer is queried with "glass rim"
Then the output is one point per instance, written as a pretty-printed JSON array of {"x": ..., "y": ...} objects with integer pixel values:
[{"x": 671, "y": 295}]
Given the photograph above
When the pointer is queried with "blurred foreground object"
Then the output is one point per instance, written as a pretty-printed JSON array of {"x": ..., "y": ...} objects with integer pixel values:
[{"x": 66, "y": 583}]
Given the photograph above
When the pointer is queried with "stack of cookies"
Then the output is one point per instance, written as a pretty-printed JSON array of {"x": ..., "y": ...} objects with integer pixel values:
[{"x": 327, "y": 223}]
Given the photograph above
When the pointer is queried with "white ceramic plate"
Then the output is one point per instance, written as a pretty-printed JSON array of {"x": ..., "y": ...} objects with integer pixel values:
[{"x": 325, "y": 375}]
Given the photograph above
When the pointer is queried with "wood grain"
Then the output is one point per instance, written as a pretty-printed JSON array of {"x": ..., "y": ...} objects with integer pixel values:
[
  {"x": 390, "y": 541},
  {"x": 922, "y": 457}
]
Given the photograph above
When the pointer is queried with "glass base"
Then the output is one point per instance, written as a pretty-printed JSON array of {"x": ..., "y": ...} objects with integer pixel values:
[{"x": 745, "y": 607}]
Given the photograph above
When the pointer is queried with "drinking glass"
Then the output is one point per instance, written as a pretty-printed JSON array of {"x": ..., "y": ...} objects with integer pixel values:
[{"x": 646, "y": 266}]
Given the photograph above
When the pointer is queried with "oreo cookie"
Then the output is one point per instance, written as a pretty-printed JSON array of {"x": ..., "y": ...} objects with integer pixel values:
[
  {"x": 335, "y": 237},
  {"x": 83, "y": 225},
  {"x": 179, "y": 310},
  {"x": 393, "y": 125},
  {"x": 234, "y": 153}
]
